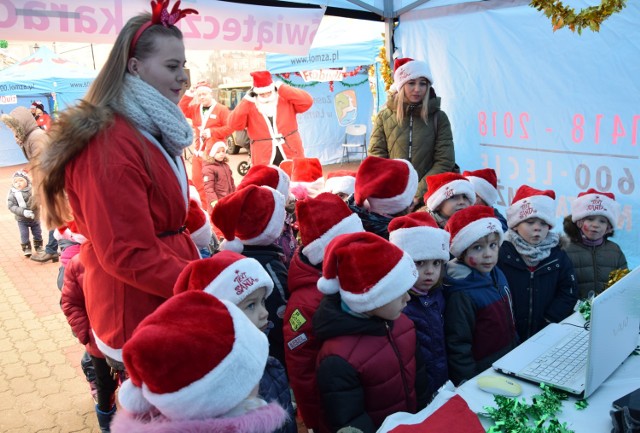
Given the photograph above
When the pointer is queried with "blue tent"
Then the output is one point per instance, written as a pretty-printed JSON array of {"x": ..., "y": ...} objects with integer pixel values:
[{"x": 43, "y": 76}]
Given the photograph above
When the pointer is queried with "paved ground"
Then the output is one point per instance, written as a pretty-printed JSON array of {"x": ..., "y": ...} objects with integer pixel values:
[{"x": 42, "y": 388}]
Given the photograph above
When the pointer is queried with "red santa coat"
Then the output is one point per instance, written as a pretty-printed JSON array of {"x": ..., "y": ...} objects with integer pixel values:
[
  {"x": 129, "y": 203},
  {"x": 265, "y": 137}
]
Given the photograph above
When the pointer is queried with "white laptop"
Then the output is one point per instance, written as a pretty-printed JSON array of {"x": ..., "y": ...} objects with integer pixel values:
[{"x": 575, "y": 359}]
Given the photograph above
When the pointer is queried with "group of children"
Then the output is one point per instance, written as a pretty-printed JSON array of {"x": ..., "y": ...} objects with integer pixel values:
[{"x": 372, "y": 313}]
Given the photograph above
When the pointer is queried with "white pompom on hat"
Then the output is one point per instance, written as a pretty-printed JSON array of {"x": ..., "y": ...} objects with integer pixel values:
[
  {"x": 385, "y": 186},
  {"x": 262, "y": 82},
  {"x": 485, "y": 183},
  {"x": 530, "y": 202},
  {"x": 594, "y": 203},
  {"x": 190, "y": 345},
  {"x": 197, "y": 223},
  {"x": 267, "y": 175},
  {"x": 409, "y": 69},
  {"x": 368, "y": 271},
  {"x": 470, "y": 224},
  {"x": 418, "y": 235},
  {"x": 226, "y": 275},
  {"x": 443, "y": 186}
]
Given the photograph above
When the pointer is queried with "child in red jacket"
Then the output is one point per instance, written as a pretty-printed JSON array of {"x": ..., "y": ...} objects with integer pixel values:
[{"x": 216, "y": 174}]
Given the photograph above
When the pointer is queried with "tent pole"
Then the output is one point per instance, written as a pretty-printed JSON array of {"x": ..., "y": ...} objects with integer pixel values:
[{"x": 389, "y": 26}]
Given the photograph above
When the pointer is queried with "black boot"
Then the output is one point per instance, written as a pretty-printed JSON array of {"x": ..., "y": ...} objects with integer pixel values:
[
  {"x": 26, "y": 249},
  {"x": 37, "y": 245},
  {"x": 104, "y": 419}
]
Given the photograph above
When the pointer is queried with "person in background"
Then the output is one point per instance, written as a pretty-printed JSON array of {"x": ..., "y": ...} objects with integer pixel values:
[
  {"x": 412, "y": 126},
  {"x": 42, "y": 118},
  {"x": 485, "y": 183},
  {"x": 217, "y": 175},
  {"x": 320, "y": 220},
  {"x": 215, "y": 359},
  {"x": 479, "y": 325},
  {"x": 21, "y": 202},
  {"x": 594, "y": 215},
  {"x": 268, "y": 112},
  {"x": 384, "y": 189},
  {"x": 538, "y": 270},
  {"x": 243, "y": 281},
  {"x": 369, "y": 366},
  {"x": 209, "y": 120},
  {"x": 418, "y": 235},
  {"x": 115, "y": 160},
  {"x": 448, "y": 193}
]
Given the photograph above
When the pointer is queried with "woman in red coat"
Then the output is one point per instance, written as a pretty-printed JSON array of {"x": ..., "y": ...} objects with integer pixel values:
[{"x": 117, "y": 156}]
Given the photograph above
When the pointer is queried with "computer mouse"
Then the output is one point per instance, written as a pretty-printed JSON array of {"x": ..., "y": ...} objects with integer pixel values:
[{"x": 499, "y": 385}]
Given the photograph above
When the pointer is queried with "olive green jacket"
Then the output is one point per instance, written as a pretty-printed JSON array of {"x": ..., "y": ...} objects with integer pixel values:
[{"x": 431, "y": 153}]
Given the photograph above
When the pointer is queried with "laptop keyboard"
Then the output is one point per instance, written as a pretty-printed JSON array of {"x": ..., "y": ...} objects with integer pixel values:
[{"x": 560, "y": 364}]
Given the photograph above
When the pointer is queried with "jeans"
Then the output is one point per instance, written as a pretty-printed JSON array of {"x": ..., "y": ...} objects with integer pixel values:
[
  {"x": 52, "y": 244},
  {"x": 36, "y": 231}
]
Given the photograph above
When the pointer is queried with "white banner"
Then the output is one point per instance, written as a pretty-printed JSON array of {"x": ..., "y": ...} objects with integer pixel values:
[
  {"x": 323, "y": 75},
  {"x": 9, "y": 100},
  {"x": 219, "y": 25}
]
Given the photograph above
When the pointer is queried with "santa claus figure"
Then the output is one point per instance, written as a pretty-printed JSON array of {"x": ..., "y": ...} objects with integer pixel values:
[
  {"x": 209, "y": 121},
  {"x": 268, "y": 112}
]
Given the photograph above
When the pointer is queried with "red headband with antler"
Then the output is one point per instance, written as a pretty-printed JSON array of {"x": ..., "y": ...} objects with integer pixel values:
[{"x": 160, "y": 15}]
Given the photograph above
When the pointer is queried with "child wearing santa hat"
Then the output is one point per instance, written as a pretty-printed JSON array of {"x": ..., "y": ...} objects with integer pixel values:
[
  {"x": 418, "y": 235},
  {"x": 233, "y": 277},
  {"x": 478, "y": 323},
  {"x": 368, "y": 366},
  {"x": 594, "y": 216},
  {"x": 384, "y": 189},
  {"x": 306, "y": 178},
  {"x": 251, "y": 220},
  {"x": 320, "y": 220},
  {"x": 539, "y": 271},
  {"x": 485, "y": 183},
  {"x": 216, "y": 174},
  {"x": 195, "y": 364},
  {"x": 447, "y": 194},
  {"x": 341, "y": 183}
]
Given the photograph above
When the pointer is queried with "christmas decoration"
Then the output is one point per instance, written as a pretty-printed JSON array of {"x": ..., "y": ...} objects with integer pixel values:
[{"x": 590, "y": 17}]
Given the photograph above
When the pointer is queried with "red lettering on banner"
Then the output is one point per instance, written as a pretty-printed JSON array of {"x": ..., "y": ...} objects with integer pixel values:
[
  {"x": 86, "y": 23},
  {"x": 214, "y": 25},
  {"x": 232, "y": 27},
  {"x": 12, "y": 18}
]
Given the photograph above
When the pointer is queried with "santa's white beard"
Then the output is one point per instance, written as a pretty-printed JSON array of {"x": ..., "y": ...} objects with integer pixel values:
[{"x": 267, "y": 106}]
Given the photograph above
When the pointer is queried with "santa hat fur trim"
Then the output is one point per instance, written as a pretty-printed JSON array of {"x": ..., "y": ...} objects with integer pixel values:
[
  {"x": 314, "y": 251},
  {"x": 593, "y": 203},
  {"x": 529, "y": 203},
  {"x": 267, "y": 175},
  {"x": 485, "y": 183},
  {"x": 112, "y": 352},
  {"x": 385, "y": 186},
  {"x": 189, "y": 334},
  {"x": 341, "y": 181},
  {"x": 262, "y": 82},
  {"x": 443, "y": 186},
  {"x": 407, "y": 69},
  {"x": 217, "y": 145},
  {"x": 418, "y": 235},
  {"x": 471, "y": 224}
]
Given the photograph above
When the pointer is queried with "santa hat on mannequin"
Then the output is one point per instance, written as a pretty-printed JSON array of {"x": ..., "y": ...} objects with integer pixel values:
[
  {"x": 385, "y": 186},
  {"x": 197, "y": 223},
  {"x": 267, "y": 175},
  {"x": 418, "y": 235},
  {"x": 206, "y": 344},
  {"x": 366, "y": 270},
  {"x": 341, "y": 181},
  {"x": 226, "y": 275},
  {"x": 262, "y": 82},
  {"x": 307, "y": 173},
  {"x": 470, "y": 224},
  {"x": 408, "y": 69},
  {"x": 250, "y": 216},
  {"x": 485, "y": 183},
  {"x": 595, "y": 203},
  {"x": 443, "y": 186},
  {"x": 321, "y": 219},
  {"x": 532, "y": 203}
]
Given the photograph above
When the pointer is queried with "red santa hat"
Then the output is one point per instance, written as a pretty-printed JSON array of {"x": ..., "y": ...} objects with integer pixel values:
[
  {"x": 69, "y": 232},
  {"x": 267, "y": 175},
  {"x": 485, "y": 183},
  {"x": 408, "y": 69},
  {"x": 253, "y": 215},
  {"x": 385, "y": 186},
  {"x": 307, "y": 173},
  {"x": 368, "y": 271},
  {"x": 443, "y": 186},
  {"x": 418, "y": 235},
  {"x": 532, "y": 203},
  {"x": 226, "y": 275},
  {"x": 217, "y": 145},
  {"x": 470, "y": 224},
  {"x": 203, "y": 84},
  {"x": 341, "y": 181},
  {"x": 197, "y": 223},
  {"x": 262, "y": 82},
  {"x": 287, "y": 166},
  {"x": 190, "y": 345},
  {"x": 593, "y": 203},
  {"x": 321, "y": 219}
]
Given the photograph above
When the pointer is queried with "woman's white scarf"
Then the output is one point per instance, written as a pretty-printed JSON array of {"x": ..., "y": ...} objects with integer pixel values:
[
  {"x": 149, "y": 111},
  {"x": 533, "y": 254}
]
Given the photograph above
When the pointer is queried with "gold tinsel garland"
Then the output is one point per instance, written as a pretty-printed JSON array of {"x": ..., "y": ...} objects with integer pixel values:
[
  {"x": 591, "y": 17},
  {"x": 385, "y": 69}
]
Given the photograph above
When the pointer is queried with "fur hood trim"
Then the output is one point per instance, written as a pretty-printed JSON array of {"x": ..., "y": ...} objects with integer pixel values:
[
  {"x": 21, "y": 122},
  {"x": 265, "y": 419}
]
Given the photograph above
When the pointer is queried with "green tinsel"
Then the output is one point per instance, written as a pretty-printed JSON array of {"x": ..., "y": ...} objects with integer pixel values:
[
  {"x": 354, "y": 84},
  {"x": 582, "y": 404},
  {"x": 515, "y": 415},
  {"x": 584, "y": 308}
]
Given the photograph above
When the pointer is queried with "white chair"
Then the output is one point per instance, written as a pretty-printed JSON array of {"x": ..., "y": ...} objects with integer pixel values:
[{"x": 357, "y": 144}]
